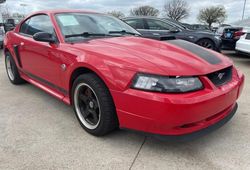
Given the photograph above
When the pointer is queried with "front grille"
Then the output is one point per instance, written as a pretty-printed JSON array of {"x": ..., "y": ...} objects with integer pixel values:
[
  {"x": 221, "y": 77},
  {"x": 248, "y": 36}
]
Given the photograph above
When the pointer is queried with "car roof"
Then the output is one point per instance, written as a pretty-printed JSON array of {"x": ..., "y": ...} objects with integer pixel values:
[
  {"x": 149, "y": 17},
  {"x": 135, "y": 17},
  {"x": 172, "y": 22},
  {"x": 152, "y": 17}
]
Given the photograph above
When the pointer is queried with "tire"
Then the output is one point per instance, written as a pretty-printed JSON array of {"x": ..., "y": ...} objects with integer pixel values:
[
  {"x": 93, "y": 105},
  {"x": 207, "y": 43},
  {"x": 12, "y": 70}
]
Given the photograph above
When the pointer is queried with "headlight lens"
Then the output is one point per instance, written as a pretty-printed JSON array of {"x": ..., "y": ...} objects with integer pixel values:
[
  {"x": 217, "y": 37},
  {"x": 166, "y": 84}
]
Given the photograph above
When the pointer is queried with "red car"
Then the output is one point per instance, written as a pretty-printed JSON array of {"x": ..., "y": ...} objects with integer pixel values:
[{"x": 114, "y": 78}]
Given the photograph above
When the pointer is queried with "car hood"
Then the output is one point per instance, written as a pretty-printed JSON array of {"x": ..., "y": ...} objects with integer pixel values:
[{"x": 175, "y": 57}]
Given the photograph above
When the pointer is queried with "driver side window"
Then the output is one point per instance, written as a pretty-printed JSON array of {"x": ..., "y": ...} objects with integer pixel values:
[
  {"x": 136, "y": 23},
  {"x": 38, "y": 23},
  {"x": 157, "y": 25}
]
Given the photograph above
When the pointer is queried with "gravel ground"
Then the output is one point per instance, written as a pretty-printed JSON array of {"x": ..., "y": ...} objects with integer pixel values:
[{"x": 40, "y": 132}]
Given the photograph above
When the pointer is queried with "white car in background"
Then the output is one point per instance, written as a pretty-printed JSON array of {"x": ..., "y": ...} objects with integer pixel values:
[{"x": 243, "y": 45}]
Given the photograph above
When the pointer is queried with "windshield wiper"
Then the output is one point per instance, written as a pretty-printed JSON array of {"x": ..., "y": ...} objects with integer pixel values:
[
  {"x": 124, "y": 32},
  {"x": 87, "y": 34}
]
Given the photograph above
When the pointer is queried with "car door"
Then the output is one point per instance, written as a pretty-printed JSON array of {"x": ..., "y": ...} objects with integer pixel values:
[
  {"x": 39, "y": 60},
  {"x": 149, "y": 29}
]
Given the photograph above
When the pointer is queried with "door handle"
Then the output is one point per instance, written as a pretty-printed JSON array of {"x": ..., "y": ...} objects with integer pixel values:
[{"x": 22, "y": 44}]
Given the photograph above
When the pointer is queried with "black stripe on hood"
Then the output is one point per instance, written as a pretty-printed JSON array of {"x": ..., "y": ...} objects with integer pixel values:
[{"x": 197, "y": 50}]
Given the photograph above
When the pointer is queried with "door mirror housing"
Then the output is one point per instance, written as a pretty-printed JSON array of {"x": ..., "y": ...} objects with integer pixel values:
[
  {"x": 174, "y": 30},
  {"x": 44, "y": 37}
]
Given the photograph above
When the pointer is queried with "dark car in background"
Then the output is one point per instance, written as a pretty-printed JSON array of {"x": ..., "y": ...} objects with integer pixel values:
[
  {"x": 1, "y": 38},
  {"x": 151, "y": 27},
  {"x": 9, "y": 25},
  {"x": 1, "y": 35},
  {"x": 189, "y": 26},
  {"x": 197, "y": 27},
  {"x": 229, "y": 36},
  {"x": 201, "y": 27}
]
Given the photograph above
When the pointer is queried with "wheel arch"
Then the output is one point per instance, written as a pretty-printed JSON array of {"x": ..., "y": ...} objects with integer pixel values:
[
  {"x": 205, "y": 38},
  {"x": 6, "y": 50},
  {"x": 9, "y": 50},
  {"x": 80, "y": 71}
]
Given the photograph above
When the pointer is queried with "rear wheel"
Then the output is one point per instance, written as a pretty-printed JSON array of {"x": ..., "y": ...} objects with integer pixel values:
[
  {"x": 94, "y": 105},
  {"x": 206, "y": 43},
  {"x": 12, "y": 70}
]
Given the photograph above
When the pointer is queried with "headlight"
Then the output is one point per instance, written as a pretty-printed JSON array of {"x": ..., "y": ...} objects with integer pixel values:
[
  {"x": 166, "y": 84},
  {"x": 217, "y": 37}
]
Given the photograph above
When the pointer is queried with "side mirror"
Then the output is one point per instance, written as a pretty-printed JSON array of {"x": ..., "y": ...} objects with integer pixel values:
[
  {"x": 174, "y": 30},
  {"x": 44, "y": 37}
]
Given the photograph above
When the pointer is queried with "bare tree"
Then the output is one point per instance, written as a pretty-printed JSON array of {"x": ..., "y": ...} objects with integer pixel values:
[
  {"x": 176, "y": 9},
  {"x": 117, "y": 14},
  {"x": 18, "y": 16},
  {"x": 213, "y": 14},
  {"x": 144, "y": 11},
  {"x": 4, "y": 10}
]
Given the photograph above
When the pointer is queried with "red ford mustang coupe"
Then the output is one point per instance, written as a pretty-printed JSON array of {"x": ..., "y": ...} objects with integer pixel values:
[{"x": 114, "y": 78}]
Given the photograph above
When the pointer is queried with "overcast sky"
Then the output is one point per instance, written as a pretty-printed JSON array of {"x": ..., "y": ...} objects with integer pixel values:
[{"x": 234, "y": 7}]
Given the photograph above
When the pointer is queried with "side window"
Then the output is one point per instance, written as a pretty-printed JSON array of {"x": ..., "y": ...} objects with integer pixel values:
[
  {"x": 38, "y": 23},
  {"x": 136, "y": 23},
  {"x": 157, "y": 25},
  {"x": 24, "y": 26}
]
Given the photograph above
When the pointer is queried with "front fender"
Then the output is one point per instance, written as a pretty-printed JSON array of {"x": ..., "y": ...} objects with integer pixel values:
[{"x": 113, "y": 75}]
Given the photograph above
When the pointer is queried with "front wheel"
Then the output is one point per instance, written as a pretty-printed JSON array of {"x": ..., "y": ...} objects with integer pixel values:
[
  {"x": 206, "y": 43},
  {"x": 93, "y": 105}
]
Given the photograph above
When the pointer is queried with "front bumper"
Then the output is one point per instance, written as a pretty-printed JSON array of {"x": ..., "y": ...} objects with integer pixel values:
[
  {"x": 177, "y": 114},
  {"x": 201, "y": 132},
  {"x": 196, "y": 134}
]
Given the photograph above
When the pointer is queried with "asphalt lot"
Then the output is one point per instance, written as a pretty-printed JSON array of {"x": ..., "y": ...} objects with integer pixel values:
[{"x": 39, "y": 132}]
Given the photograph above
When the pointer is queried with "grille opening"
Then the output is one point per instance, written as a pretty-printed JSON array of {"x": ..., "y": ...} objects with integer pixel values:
[{"x": 221, "y": 77}]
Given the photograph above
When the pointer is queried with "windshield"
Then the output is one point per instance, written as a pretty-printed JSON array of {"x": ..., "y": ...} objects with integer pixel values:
[{"x": 92, "y": 24}]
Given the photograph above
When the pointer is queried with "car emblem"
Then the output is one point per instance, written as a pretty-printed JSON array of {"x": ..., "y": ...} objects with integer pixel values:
[{"x": 221, "y": 75}]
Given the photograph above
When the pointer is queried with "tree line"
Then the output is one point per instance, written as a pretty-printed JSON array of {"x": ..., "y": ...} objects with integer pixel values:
[{"x": 178, "y": 10}]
